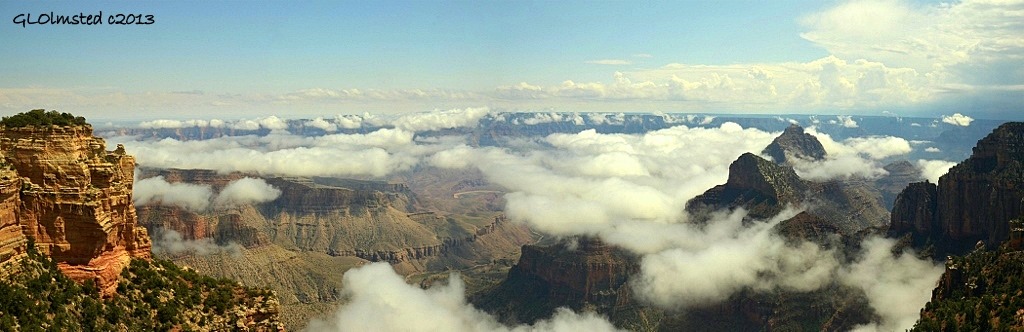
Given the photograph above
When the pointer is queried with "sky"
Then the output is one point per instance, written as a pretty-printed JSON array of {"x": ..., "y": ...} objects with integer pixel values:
[{"x": 308, "y": 58}]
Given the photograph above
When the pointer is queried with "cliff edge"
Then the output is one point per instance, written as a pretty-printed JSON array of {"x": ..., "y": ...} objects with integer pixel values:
[{"x": 61, "y": 187}]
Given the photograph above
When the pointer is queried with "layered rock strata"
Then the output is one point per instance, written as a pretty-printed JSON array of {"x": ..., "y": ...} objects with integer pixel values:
[{"x": 73, "y": 198}]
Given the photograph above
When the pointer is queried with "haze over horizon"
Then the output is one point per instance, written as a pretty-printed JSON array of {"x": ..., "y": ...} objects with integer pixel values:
[{"x": 311, "y": 58}]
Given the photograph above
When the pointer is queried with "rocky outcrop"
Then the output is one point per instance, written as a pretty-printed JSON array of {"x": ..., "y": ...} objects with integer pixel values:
[
  {"x": 577, "y": 273},
  {"x": 794, "y": 143},
  {"x": 12, "y": 239},
  {"x": 973, "y": 202},
  {"x": 764, "y": 189},
  {"x": 978, "y": 292},
  {"x": 73, "y": 200},
  {"x": 758, "y": 185}
]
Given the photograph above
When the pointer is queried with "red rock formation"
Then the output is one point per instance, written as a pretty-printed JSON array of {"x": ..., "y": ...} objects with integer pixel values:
[
  {"x": 12, "y": 240},
  {"x": 74, "y": 200}
]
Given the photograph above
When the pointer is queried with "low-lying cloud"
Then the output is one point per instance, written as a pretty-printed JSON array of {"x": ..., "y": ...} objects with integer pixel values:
[
  {"x": 933, "y": 169},
  {"x": 729, "y": 257},
  {"x": 172, "y": 243},
  {"x": 246, "y": 191},
  {"x": 200, "y": 197},
  {"x": 380, "y": 300},
  {"x": 855, "y": 157},
  {"x": 896, "y": 287},
  {"x": 157, "y": 191}
]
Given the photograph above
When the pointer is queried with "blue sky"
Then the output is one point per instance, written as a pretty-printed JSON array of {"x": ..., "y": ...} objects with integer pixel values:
[{"x": 320, "y": 58}]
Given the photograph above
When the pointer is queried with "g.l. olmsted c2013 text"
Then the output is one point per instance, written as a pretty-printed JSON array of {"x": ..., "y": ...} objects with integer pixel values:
[{"x": 27, "y": 19}]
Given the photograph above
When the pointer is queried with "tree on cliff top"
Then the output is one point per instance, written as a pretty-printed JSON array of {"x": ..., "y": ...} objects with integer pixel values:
[{"x": 40, "y": 117}]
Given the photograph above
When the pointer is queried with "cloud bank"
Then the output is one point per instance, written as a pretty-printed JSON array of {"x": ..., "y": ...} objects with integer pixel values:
[
  {"x": 200, "y": 197},
  {"x": 380, "y": 300},
  {"x": 170, "y": 242}
]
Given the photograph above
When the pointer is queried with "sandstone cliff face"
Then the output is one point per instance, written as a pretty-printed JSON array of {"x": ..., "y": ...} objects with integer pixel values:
[
  {"x": 74, "y": 200},
  {"x": 12, "y": 240},
  {"x": 973, "y": 202},
  {"x": 794, "y": 143}
]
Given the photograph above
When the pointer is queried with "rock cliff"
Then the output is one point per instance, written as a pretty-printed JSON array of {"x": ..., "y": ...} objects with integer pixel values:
[
  {"x": 758, "y": 185},
  {"x": 794, "y": 143},
  {"x": 973, "y": 202},
  {"x": 578, "y": 273},
  {"x": 764, "y": 189},
  {"x": 978, "y": 292},
  {"x": 73, "y": 198}
]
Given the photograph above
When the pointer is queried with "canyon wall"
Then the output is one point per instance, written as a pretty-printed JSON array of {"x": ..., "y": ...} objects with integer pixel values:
[
  {"x": 73, "y": 198},
  {"x": 973, "y": 202}
]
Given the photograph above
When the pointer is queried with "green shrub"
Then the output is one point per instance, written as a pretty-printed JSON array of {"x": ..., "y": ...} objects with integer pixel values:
[{"x": 40, "y": 117}]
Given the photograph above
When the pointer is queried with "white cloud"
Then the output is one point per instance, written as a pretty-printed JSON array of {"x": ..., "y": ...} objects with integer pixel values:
[
  {"x": 897, "y": 287},
  {"x": 847, "y": 121},
  {"x": 957, "y": 119},
  {"x": 436, "y": 120},
  {"x": 377, "y": 153},
  {"x": 728, "y": 258},
  {"x": 856, "y": 157},
  {"x": 974, "y": 43},
  {"x": 171, "y": 242},
  {"x": 325, "y": 125},
  {"x": 200, "y": 197},
  {"x": 380, "y": 300},
  {"x": 246, "y": 191},
  {"x": 156, "y": 124},
  {"x": 156, "y": 190},
  {"x": 826, "y": 82},
  {"x": 933, "y": 169},
  {"x": 932, "y": 149}
]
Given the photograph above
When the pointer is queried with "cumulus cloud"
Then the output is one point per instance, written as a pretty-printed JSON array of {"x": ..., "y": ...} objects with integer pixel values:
[
  {"x": 932, "y": 149},
  {"x": 322, "y": 124},
  {"x": 246, "y": 191},
  {"x": 847, "y": 121},
  {"x": 933, "y": 169},
  {"x": 957, "y": 119},
  {"x": 157, "y": 191},
  {"x": 896, "y": 287},
  {"x": 172, "y": 243},
  {"x": 380, "y": 300}
]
